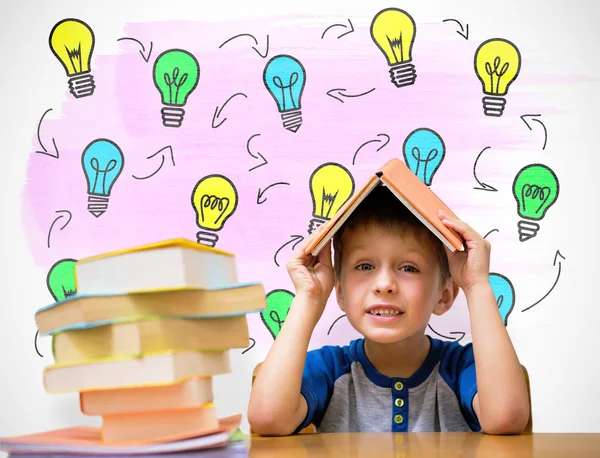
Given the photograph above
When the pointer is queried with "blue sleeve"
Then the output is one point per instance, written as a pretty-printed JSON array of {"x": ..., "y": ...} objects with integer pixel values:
[{"x": 321, "y": 369}]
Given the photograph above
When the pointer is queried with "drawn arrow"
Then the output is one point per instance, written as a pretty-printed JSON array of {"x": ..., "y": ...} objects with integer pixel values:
[
  {"x": 339, "y": 25},
  {"x": 56, "y": 219},
  {"x": 462, "y": 334},
  {"x": 260, "y": 193},
  {"x": 35, "y": 344},
  {"x": 534, "y": 118},
  {"x": 462, "y": 33},
  {"x": 253, "y": 47},
  {"x": 146, "y": 58},
  {"x": 336, "y": 320},
  {"x": 218, "y": 110},
  {"x": 251, "y": 345},
  {"x": 484, "y": 186},
  {"x": 296, "y": 239},
  {"x": 265, "y": 162},
  {"x": 40, "y": 140},
  {"x": 339, "y": 90},
  {"x": 371, "y": 141},
  {"x": 162, "y": 161},
  {"x": 556, "y": 256},
  {"x": 493, "y": 230}
]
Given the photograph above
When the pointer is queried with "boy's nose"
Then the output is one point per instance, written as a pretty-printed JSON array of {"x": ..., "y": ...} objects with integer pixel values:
[{"x": 385, "y": 281}]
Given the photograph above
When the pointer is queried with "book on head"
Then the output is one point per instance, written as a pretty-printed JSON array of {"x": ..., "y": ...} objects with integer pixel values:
[{"x": 409, "y": 190}]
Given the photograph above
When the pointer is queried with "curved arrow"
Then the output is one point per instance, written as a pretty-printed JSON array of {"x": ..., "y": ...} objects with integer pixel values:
[
  {"x": 265, "y": 162},
  {"x": 336, "y": 320},
  {"x": 162, "y": 162},
  {"x": 218, "y": 110},
  {"x": 40, "y": 140},
  {"x": 339, "y": 25},
  {"x": 56, "y": 219},
  {"x": 146, "y": 58},
  {"x": 485, "y": 186},
  {"x": 260, "y": 193},
  {"x": 446, "y": 337},
  {"x": 462, "y": 30},
  {"x": 295, "y": 238},
  {"x": 251, "y": 345},
  {"x": 534, "y": 118},
  {"x": 555, "y": 281},
  {"x": 35, "y": 344},
  {"x": 253, "y": 47},
  {"x": 329, "y": 93},
  {"x": 493, "y": 230},
  {"x": 371, "y": 141}
]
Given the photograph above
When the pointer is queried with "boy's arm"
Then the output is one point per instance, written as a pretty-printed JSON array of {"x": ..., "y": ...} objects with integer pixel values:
[{"x": 501, "y": 403}]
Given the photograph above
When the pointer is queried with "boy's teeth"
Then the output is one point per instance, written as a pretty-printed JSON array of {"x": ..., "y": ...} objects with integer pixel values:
[{"x": 384, "y": 312}]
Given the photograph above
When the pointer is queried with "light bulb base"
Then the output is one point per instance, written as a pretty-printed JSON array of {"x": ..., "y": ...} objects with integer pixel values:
[
  {"x": 97, "y": 204},
  {"x": 493, "y": 105},
  {"x": 172, "y": 116},
  {"x": 82, "y": 85},
  {"x": 403, "y": 74},
  {"x": 207, "y": 238},
  {"x": 315, "y": 223},
  {"x": 527, "y": 230},
  {"x": 292, "y": 120}
]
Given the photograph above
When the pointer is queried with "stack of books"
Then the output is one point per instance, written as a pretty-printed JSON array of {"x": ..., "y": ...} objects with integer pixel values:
[{"x": 144, "y": 335}]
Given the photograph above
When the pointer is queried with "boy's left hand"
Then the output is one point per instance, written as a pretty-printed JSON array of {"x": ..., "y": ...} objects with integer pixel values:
[{"x": 471, "y": 266}]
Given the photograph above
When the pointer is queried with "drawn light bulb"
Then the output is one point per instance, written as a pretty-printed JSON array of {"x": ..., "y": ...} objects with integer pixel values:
[
  {"x": 535, "y": 188},
  {"x": 497, "y": 65},
  {"x": 331, "y": 185},
  {"x": 278, "y": 306},
  {"x": 214, "y": 199},
  {"x": 176, "y": 73},
  {"x": 424, "y": 151},
  {"x": 284, "y": 77},
  {"x": 72, "y": 42},
  {"x": 393, "y": 31},
  {"x": 504, "y": 292},
  {"x": 102, "y": 162},
  {"x": 61, "y": 279}
]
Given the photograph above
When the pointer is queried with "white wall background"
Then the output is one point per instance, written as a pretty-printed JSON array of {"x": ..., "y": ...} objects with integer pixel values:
[{"x": 559, "y": 346}]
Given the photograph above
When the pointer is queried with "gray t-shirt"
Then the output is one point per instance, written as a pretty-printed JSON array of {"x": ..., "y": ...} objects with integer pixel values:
[{"x": 345, "y": 393}]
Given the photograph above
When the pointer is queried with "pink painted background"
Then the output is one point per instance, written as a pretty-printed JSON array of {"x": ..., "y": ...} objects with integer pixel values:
[{"x": 125, "y": 108}]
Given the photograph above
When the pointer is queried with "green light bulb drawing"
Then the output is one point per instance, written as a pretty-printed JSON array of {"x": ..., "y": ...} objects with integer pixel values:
[
  {"x": 278, "y": 305},
  {"x": 61, "y": 279},
  {"x": 536, "y": 189},
  {"x": 176, "y": 73}
]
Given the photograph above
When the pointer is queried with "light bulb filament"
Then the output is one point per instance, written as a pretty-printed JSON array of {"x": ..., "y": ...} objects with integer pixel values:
[
  {"x": 275, "y": 317},
  {"x": 277, "y": 81},
  {"x": 396, "y": 44},
  {"x": 534, "y": 192},
  {"x": 416, "y": 153},
  {"x": 500, "y": 300},
  {"x": 328, "y": 199},
  {"x": 212, "y": 202},
  {"x": 494, "y": 71},
  {"x": 96, "y": 167},
  {"x": 172, "y": 81},
  {"x": 75, "y": 55}
]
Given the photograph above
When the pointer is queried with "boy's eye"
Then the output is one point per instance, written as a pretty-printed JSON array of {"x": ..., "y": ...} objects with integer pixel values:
[
  {"x": 364, "y": 266},
  {"x": 410, "y": 269}
]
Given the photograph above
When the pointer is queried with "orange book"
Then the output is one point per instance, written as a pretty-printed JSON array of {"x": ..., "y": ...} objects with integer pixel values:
[
  {"x": 409, "y": 190},
  {"x": 191, "y": 392},
  {"x": 157, "y": 424}
]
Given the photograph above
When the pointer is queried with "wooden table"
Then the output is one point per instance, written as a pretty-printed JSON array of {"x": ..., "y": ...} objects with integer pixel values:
[{"x": 408, "y": 445}]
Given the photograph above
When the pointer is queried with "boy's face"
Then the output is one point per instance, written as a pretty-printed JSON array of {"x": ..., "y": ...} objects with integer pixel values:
[{"x": 390, "y": 284}]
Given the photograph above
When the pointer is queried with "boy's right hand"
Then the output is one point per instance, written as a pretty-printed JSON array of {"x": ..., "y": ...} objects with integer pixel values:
[{"x": 312, "y": 276}]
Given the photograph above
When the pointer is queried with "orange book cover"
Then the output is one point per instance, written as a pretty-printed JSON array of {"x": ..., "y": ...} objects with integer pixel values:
[{"x": 410, "y": 190}]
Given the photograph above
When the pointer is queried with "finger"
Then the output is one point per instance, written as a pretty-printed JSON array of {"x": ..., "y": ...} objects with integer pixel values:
[
  {"x": 324, "y": 256},
  {"x": 466, "y": 231}
]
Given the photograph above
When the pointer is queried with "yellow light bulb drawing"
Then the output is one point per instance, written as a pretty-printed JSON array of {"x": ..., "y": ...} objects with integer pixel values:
[
  {"x": 497, "y": 65},
  {"x": 393, "y": 31},
  {"x": 214, "y": 199},
  {"x": 331, "y": 185},
  {"x": 72, "y": 42}
]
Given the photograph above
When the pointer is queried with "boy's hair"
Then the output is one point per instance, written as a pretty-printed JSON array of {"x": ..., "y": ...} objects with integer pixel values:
[{"x": 383, "y": 210}]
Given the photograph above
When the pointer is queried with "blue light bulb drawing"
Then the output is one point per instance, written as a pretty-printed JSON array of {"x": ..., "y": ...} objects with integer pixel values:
[
  {"x": 102, "y": 162},
  {"x": 284, "y": 77},
  {"x": 504, "y": 292},
  {"x": 424, "y": 151}
]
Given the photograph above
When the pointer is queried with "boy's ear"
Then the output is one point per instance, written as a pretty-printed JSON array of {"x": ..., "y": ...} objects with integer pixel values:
[
  {"x": 447, "y": 297},
  {"x": 339, "y": 294}
]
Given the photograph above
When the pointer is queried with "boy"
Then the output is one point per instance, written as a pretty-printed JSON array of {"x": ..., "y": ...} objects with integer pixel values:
[{"x": 391, "y": 273}]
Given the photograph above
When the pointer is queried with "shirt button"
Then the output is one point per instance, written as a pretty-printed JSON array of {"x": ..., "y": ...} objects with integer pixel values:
[
  {"x": 398, "y": 386},
  {"x": 398, "y": 419},
  {"x": 399, "y": 402}
]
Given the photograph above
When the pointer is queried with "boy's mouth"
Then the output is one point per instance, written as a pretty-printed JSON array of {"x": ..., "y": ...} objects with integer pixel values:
[{"x": 384, "y": 310}]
